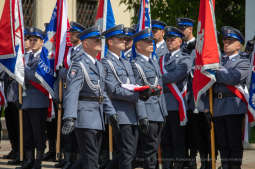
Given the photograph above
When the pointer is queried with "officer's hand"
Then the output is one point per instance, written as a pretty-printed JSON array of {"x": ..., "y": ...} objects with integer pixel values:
[
  {"x": 156, "y": 91},
  {"x": 144, "y": 126},
  {"x": 113, "y": 119},
  {"x": 208, "y": 117},
  {"x": 68, "y": 126},
  {"x": 145, "y": 94}
]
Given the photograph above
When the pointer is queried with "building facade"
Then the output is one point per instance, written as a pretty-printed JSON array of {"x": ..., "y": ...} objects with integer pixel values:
[{"x": 38, "y": 12}]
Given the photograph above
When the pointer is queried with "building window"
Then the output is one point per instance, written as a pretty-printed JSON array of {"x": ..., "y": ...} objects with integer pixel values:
[
  {"x": 29, "y": 12},
  {"x": 86, "y": 12}
]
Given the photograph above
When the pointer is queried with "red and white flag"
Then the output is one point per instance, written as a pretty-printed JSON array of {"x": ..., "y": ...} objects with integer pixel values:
[
  {"x": 12, "y": 40},
  {"x": 207, "y": 50},
  {"x": 62, "y": 34},
  {"x": 105, "y": 20}
]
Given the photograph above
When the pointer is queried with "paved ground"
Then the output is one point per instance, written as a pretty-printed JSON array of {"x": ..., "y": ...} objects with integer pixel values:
[{"x": 248, "y": 160}]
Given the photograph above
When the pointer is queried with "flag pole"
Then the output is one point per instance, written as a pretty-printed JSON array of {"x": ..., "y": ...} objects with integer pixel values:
[
  {"x": 160, "y": 166},
  {"x": 60, "y": 90},
  {"x": 110, "y": 142},
  {"x": 212, "y": 130},
  {"x": 21, "y": 152}
]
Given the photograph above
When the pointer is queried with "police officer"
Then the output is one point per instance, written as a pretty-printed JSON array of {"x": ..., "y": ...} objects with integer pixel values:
[
  {"x": 118, "y": 74},
  {"x": 228, "y": 108},
  {"x": 35, "y": 105},
  {"x": 85, "y": 99},
  {"x": 153, "y": 111},
  {"x": 128, "y": 32},
  {"x": 12, "y": 117},
  {"x": 158, "y": 34},
  {"x": 186, "y": 25},
  {"x": 69, "y": 141},
  {"x": 188, "y": 46},
  {"x": 175, "y": 66},
  {"x": 11, "y": 111}
]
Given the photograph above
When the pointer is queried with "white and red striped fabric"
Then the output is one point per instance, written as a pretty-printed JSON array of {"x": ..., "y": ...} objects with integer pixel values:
[
  {"x": 62, "y": 34},
  {"x": 207, "y": 50},
  {"x": 179, "y": 95}
]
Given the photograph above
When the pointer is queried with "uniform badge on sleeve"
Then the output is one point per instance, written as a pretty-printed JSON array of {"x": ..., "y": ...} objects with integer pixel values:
[{"x": 72, "y": 73}]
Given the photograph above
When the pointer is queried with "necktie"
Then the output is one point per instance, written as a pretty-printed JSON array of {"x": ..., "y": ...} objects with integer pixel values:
[
  {"x": 225, "y": 60},
  {"x": 31, "y": 57}
]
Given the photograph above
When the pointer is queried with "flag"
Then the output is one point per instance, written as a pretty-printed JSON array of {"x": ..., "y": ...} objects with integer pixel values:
[
  {"x": 251, "y": 85},
  {"x": 144, "y": 19},
  {"x": 105, "y": 20},
  {"x": 207, "y": 50},
  {"x": 144, "y": 22},
  {"x": 12, "y": 40},
  {"x": 56, "y": 46}
]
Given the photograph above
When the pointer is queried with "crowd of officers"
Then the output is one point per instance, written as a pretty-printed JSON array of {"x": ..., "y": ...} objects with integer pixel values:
[{"x": 99, "y": 93}]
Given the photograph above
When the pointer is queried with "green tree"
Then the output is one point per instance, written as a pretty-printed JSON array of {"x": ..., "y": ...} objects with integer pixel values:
[{"x": 228, "y": 12}]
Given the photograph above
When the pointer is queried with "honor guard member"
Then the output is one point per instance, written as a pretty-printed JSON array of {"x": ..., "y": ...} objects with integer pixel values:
[
  {"x": 11, "y": 116},
  {"x": 158, "y": 34},
  {"x": 153, "y": 111},
  {"x": 86, "y": 101},
  {"x": 188, "y": 46},
  {"x": 128, "y": 32},
  {"x": 118, "y": 74},
  {"x": 11, "y": 112},
  {"x": 186, "y": 25},
  {"x": 228, "y": 105},
  {"x": 35, "y": 105},
  {"x": 69, "y": 142},
  {"x": 175, "y": 68}
]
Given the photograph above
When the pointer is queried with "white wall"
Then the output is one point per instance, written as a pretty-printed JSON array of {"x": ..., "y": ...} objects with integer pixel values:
[{"x": 249, "y": 19}]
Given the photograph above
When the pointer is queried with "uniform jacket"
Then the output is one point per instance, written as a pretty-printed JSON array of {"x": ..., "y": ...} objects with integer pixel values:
[
  {"x": 122, "y": 99},
  {"x": 189, "y": 47},
  {"x": 32, "y": 97},
  {"x": 232, "y": 72},
  {"x": 63, "y": 71},
  {"x": 155, "y": 107},
  {"x": 89, "y": 114},
  {"x": 177, "y": 66}
]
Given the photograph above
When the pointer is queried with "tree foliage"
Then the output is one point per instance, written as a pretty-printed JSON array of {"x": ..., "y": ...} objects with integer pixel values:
[{"x": 228, "y": 12}]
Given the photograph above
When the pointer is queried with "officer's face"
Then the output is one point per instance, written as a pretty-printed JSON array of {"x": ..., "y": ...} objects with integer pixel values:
[
  {"x": 173, "y": 43},
  {"x": 145, "y": 47},
  {"x": 231, "y": 46},
  {"x": 187, "y": 31},
  {"x": 128, "y": 43},
  {"x": 158, "y": 34},
  {"x": 36, "y": 43},
  {"x": 74, "y": 37},
  {"x": 92, "y": 46},
  {"x": 117, "y": 43}
]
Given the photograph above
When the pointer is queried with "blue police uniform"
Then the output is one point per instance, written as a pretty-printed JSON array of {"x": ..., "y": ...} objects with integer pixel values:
[
  {"x": 69, "y": 142},
  {"x": 228, "y": 108},
  {"x": 161, "y": 48},
  {"x": 86, "y": 101},
  {"x": 147, "y": 72},
  {"x": 35, "y": 107},
  {"x": 119, "y": 72},
  {"x": 177, "y": 66},
  {"x": 11, "y": 115}
]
